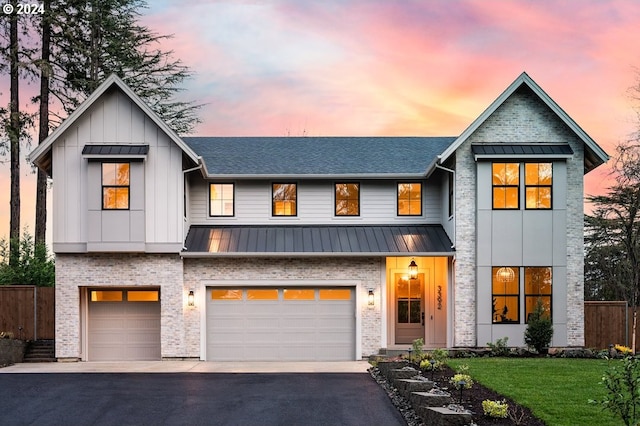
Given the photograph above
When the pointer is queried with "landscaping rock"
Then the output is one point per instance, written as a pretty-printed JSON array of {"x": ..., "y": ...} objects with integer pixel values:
[
  {"x": 442, "y": 416},
  {"x": 401, "y": 373},
  {"x": 11, "y": 351},
  {"x": 407, "y": 386},
  {"x": 386, "y": 366},
  {"x": 429, "y": 399}
]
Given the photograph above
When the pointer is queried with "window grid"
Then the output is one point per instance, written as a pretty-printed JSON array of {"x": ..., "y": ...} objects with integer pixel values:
[
  {"x": 505, "y": 186},
  {"x": 115, "y": 186},
  {"x": 538, "y": 285},
  {"x": 505, "y": 295},
  {"x": 409, "y": 199},
  {"x": 347, "y": 199},
  {"x": 284, "y": 196},
  {"x": 221, "y": 199},
  {"x": 538, "y": 185}
]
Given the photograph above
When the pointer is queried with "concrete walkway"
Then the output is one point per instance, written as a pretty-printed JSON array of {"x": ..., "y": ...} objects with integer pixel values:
[{"x": 188, "y": 367}]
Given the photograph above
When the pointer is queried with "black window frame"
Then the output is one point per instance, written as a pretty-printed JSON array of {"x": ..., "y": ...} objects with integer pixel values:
[
  {"x": 273, "y": 200},
  {"x": 233, "y": 200},
  {"x": 409, "y": 199},
  {"x": 495, "y": 314},
  {"x": 537, "y": 295},
  {"x": 494, "y": 186},
  {"x": 335, "y": 202},
  {"x": 550, "y": 186},
  {"x": 115, "y": 186}
]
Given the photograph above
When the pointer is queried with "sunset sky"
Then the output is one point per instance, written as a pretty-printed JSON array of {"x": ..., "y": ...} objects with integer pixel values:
[{"x": 373, "y": 67}]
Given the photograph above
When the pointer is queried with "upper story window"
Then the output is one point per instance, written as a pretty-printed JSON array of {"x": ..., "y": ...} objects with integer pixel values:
[
  {"x": 221, "y": 199},
  {"x": 347, "y": 199},
  {"x": 538, "y": 183},
  {"x": 284, "y": 196},
  {"x": 115, "y": 186},
  {"x": 506, "y": 185},
  {"x": 409, "y": 199}
]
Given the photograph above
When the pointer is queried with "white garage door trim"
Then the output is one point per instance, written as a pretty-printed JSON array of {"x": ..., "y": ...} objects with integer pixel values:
[{"x": 203, "y": 294}]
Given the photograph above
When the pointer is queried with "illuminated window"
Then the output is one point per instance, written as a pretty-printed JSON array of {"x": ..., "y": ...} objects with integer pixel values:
[
  {"x": 106, "y": 296},
  {"x": 335, "y": 294},
  {"x": 284, "y": 199},
  {"x": 262, "y": 294},
  {"x": 506, "y": 185},
  {"x": 410, "y": 199},
  {"x": 347, "y": 199},
  {"x": 537, "y": 286},
  {"x": 226, "y": 294},
  {"x": 505, "y": 295},
  {"x": 143, "y": 295},
  {"x": 299, "y": 294},
  {"x": 115, "y": 186},
  {"x": 538, "y": 183},
  {"x": 221, "y": 197}
]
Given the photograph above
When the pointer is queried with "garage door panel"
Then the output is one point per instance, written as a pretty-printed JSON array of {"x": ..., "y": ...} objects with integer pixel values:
[
  {"x": 293, "y": 329},
  {"x": 123, "y": 331}
]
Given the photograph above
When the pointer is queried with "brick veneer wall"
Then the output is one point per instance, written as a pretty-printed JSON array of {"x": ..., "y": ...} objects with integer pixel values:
[
  {"x": 109, "y": 270},
  {"x": 365, "y": 270},
  {"x": 523, "y": 117}
]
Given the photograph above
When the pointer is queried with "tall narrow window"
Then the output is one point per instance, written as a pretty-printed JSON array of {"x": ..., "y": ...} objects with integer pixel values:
[
  {"x": 506, "y": 185},
  {"x": 285, "y": 197},
  {"x": 409, "y": 199},
  {"x": 347, "y": 199},
  {"x": 221, "y": 196},
  {"x": 505, "y": 295},
  {"x": 451, "y": 194},
  {"x": 537, "y": 286},
  {"x": 538, "y": 184},
  {"x": 115, "y": 186}
]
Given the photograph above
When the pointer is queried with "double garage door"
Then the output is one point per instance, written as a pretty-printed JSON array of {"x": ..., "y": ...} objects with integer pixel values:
[{"x": 280, "y": 324}]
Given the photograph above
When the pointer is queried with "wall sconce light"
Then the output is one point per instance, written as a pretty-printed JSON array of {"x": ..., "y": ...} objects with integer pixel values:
[
  {"x": 191, "y": 299},
  {"x": 370, "y": 299},
  {"x": 413, "y": 270}
]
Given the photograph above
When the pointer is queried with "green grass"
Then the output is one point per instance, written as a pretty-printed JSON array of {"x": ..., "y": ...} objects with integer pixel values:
[{"x": 557, "y": 390}]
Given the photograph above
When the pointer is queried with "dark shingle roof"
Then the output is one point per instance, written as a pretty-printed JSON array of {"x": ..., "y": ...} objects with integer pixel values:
[
  {"x": 318, "y": 239},
  {"x": 239, "y": 156}
]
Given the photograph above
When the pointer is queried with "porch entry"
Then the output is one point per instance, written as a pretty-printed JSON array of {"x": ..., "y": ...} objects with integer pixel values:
[
  {"x": 418, "y": 306},
  {"x": 409, "y": 308}
]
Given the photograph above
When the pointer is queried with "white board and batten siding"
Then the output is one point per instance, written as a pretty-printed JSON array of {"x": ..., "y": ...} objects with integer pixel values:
[
  {"x": 316, "y": 204},
  {"x": 154, "y": 221}
]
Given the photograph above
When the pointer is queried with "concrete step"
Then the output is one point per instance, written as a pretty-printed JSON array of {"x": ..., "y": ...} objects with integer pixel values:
[{"x": 442, "y": 416}]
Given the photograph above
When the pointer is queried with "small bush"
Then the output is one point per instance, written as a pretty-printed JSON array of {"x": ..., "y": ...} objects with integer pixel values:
[
  {"x": 462, "y": 379},
  {"x": 495, "y": 409},
  {"x": 417, "y": 353},
  {"x": 539, "y": 329},
  {"x": 623, "y": 350},
  {"x": 6, "y": 335},
  {"x": 499, "y": 348},
  {"x": 622, "y": 381}
]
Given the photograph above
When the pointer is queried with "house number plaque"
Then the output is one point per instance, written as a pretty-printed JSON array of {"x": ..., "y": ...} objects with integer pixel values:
[{"x": 439, "y": 298}]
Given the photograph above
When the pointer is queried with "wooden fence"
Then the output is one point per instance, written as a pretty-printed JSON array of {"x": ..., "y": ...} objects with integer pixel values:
[
  {"x": 28, "y": 311},
  {"x": 607, "y": 323}
]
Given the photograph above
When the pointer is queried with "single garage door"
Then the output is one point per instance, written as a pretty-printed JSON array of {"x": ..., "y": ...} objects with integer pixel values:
[
  {"x": 281, "y": 324},
  {"x": 124, "y": 325}
]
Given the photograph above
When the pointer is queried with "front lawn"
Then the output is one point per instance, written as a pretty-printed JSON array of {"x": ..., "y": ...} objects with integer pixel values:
[{"x": 557, "y": 390}]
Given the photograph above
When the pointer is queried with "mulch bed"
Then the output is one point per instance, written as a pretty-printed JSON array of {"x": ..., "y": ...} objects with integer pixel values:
[{"x": 472, "y": 401}]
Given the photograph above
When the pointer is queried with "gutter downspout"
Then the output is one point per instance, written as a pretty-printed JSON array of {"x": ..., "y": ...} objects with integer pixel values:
[
  {"x": 453, "y": 207},
  {"x": 184, "y": 190}
]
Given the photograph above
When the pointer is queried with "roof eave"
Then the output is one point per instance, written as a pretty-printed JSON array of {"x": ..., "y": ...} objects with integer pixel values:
[
  {"x": 364, "y": 176},
  {"x": 524, "y": 78},
  {"x": 37, "y": 154},
  {"x": 186, "y": 254}
]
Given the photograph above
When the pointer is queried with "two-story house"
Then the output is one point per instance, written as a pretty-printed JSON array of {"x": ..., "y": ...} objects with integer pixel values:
[{"x": 313, "y": 248}]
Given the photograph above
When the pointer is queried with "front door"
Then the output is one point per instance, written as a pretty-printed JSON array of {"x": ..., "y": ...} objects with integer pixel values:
[{"x": 409, "y": 298}]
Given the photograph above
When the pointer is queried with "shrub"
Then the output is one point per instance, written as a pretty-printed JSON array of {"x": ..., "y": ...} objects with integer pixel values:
[
  {"x": 495, "y": 409},
  {"x": 622, "y": 381},
  {"x": 499, "y": 348},
  {"x": 417, "y": 353},
  {"x": 623, "y": 350},
  {"x": 539, "y": 329},
  {"x": 462, "y": 379},
  {"x": 6, "y": 335}
]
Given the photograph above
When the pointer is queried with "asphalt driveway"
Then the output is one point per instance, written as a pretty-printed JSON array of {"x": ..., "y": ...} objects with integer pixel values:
[{"x": 195, "y": 399}]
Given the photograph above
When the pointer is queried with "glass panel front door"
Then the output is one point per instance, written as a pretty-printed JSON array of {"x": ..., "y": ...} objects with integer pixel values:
[{"x": 409, "y": 297}]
